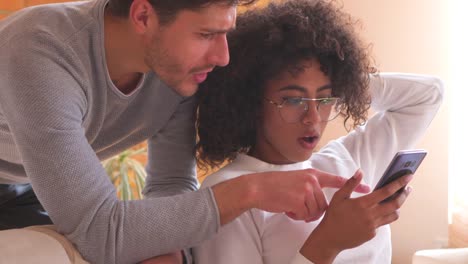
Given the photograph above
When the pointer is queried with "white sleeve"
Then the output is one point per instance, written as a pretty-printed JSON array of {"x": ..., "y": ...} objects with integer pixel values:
[
  {"x": 300, "y": 259},
  {"x": 405, "y": 105},
  {"x": 236, "y": 242}
]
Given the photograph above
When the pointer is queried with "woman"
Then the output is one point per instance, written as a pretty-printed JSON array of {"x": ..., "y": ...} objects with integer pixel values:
[{"x": 294, "y": 67}]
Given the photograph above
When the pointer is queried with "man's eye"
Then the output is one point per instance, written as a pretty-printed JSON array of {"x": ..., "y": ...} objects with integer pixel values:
[
  {"x": 293, "y": 101},
  {"x": 207, "y": 35}
]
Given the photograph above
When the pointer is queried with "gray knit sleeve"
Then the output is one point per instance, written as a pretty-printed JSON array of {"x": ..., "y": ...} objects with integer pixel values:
[
  {"x": 171, "y": 155},
  {"x": 43, "y": 98}
]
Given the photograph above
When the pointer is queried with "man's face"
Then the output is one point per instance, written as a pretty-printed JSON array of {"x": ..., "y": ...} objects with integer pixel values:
[{"x": 184, "y": 51}]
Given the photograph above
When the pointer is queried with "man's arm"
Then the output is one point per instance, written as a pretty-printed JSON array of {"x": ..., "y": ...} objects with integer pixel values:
[
  {"x": 44, "y": 103},
  {"x": 171, "y": 155},
  {"x": 298, "y": 193}
]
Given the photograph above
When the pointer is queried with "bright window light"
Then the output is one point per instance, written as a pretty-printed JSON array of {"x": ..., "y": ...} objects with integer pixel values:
[{"x": 457, "y": 97}]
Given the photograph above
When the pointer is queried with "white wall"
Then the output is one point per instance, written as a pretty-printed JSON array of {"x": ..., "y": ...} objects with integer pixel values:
[{"x": 411, "y": 36}]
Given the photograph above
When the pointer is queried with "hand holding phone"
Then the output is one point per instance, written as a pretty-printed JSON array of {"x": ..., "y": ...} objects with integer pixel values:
[{"x": 404, "y": 162}]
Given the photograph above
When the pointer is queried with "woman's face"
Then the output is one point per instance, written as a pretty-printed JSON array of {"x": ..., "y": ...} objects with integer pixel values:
[{"x": 286, "y": 135}]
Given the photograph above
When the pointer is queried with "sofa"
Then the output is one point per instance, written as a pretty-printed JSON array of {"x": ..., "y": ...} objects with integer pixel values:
[
  {"x": 43, "y": 245},
  {"x": 37, "y": 244},
  {"x": 441, "y": 256}
]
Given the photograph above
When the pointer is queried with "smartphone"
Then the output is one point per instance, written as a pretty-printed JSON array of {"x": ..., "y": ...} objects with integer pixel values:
[{"x": 404, "y": 162}]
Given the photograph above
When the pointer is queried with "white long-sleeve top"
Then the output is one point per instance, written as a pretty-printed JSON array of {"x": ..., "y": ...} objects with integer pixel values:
[{"x": 405, "y": 106}]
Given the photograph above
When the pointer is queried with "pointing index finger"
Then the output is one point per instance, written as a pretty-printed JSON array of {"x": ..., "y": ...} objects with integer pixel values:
[{"x": 334, "y": 181}]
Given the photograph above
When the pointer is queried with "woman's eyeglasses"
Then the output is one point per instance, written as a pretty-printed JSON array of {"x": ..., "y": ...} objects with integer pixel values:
[{"x": 293, "y": 109}]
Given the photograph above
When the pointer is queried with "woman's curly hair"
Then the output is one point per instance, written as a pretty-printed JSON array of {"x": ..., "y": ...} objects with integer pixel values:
[{"x": 266, "y": 43}]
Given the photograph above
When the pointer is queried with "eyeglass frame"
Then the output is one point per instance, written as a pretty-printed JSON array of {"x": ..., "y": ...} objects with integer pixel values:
[{"x": 306, "y": 107}]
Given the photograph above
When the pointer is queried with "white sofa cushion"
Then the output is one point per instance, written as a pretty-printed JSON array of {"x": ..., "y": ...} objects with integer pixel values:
[
  {"x": 441, "y": 256},
  {"x": 37, "y": 244}
]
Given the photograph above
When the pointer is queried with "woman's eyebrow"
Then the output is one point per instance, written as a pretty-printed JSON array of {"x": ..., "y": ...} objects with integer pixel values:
[
  {"x": 303, "y": 89},
  {"x": 293, "y": 87}
]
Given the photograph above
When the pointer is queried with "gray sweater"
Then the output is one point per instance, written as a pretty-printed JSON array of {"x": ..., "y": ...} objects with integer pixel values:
[{"x": 60, "y": 115}]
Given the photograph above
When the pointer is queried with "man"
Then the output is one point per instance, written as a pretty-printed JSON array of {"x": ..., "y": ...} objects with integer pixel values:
[{"x": 80, "y": 82}]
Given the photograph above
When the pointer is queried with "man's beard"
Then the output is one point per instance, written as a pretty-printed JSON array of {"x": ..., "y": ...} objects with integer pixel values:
[{"x": 163, "y": 64}]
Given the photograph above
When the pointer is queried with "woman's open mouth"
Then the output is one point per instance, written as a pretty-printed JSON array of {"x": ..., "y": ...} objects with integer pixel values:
[{"x": 308, "y": 142}]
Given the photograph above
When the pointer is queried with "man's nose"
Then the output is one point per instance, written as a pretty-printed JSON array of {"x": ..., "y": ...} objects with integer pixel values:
[{"x": 220, "y": 54}]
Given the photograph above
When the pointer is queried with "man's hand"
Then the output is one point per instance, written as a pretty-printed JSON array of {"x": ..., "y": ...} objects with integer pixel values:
[
  {"x": 172, "y": 258},
  {"x": 299, "y": 193},
  {"x": 349, "y": 222}
]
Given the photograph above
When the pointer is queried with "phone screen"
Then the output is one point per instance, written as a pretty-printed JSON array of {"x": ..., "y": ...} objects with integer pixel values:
[{"x": 404, "y": 162}]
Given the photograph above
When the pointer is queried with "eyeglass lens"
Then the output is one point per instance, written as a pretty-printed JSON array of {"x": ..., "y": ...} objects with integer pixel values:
[{"x": 294, "y": 110}]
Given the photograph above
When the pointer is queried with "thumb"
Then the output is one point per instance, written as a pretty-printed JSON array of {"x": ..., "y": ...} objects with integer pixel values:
[{"x": 349, "y": 186}]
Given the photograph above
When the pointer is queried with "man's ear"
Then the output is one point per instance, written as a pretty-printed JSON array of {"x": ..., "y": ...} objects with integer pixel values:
[{"x": 142, "y": 16}]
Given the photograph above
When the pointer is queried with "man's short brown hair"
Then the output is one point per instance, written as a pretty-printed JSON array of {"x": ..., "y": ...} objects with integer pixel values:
[{"x": 168, "y": 9}]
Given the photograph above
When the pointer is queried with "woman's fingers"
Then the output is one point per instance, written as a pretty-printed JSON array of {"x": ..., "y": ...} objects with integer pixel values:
[
  {"x": 350, "y": 185},
  {"x": 388, "y": 212},
  {"x": 387, "y": 191}
]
